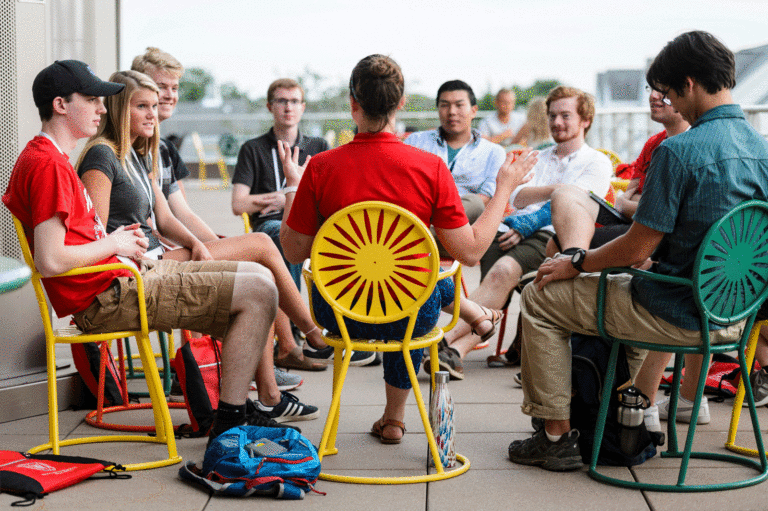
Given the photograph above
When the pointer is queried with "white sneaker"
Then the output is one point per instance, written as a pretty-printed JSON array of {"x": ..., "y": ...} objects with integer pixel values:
[
  {"x": 651, "y": 418},
  {"x": 684, "y": 409}
]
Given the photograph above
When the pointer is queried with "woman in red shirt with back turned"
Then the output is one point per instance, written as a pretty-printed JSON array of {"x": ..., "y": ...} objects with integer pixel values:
[{"x": 376, "y": 165}]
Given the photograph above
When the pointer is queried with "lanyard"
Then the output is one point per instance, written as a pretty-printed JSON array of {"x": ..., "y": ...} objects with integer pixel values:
[
  {"x": 278, "y": 185},
  {"x": 143, "y": 176}
]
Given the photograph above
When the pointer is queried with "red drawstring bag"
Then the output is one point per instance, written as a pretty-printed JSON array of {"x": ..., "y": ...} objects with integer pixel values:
[
  {"x": 33, "y": 476},
  {"x": 198, "y": 368}
]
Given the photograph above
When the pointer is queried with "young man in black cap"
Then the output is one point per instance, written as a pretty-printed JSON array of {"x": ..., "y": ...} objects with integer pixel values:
[{"x": 46, "y": 195}]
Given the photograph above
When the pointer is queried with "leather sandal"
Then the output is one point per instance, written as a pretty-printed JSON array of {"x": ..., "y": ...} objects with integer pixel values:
[
  {"x": 378, "y": 430},
  {"x": 492, "y": 315},
  {"x": 296, "y": 360}
]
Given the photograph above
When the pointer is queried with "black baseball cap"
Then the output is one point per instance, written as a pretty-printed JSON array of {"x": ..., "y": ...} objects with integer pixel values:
[{"x": 64, "y": 77}]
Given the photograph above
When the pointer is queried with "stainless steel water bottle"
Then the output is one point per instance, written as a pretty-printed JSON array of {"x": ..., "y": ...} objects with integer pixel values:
[{"x": 630, "y": 417}]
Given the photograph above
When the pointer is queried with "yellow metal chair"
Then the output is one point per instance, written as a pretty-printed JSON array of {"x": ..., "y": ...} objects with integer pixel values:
[
  {"x": 739, "y": 399},
  {"x": 247, "y": 223},
  {"x": 375, "y": 262},
  {"x": 615, "y": 160},
  {"x": 70, "y": 335}
]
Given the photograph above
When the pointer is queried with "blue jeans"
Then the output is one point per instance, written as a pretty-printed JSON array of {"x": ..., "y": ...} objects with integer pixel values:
[
  {"x": 272, "y": 229},
  {"x": 395, "y": 372}
]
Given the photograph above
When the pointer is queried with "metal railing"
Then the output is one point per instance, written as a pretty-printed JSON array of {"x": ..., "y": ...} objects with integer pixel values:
[{"x": 622, "y": 130}]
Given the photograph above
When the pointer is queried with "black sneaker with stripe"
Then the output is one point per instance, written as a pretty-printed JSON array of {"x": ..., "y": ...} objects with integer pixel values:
[{"x": 289, "y": 409}]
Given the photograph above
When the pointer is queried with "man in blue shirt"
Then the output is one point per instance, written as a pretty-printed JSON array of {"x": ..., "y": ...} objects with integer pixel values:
[
  {"x": 473, "y": 160},
  {"x": 694, "y": 179}
]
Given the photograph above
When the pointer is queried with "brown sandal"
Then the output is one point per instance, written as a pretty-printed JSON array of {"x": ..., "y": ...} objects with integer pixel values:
[
  {"x": 296, "y": 360},
  {"x": 492, "y": 315},
  {"x": 378, "y": 430}
]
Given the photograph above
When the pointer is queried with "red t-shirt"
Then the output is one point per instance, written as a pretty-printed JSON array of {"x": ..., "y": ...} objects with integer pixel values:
[
  {"x": 638, "y": 168},
  {"x": 376, "y": 166},
  {"x": 43, "y": 184}
]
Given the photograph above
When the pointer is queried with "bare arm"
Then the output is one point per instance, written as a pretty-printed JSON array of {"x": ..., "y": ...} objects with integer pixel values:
[
  {"x": 501, "y": 137},
  {"x": 99, "y": 189},
  {"x": 180, "y": 208},
  {"x": 244, "y": 202},
  {"x": 534, "y": 194},
  {"x": 468, "y": 243},
  {"x": 169, "y": 226},
  {"x": 296, "y": 246},
  {"x": 52, "y": 256},
  {"x": 627, "y": 202},
  {"x": 522, "y": 134},
  {"x": 631, "y": 249}
]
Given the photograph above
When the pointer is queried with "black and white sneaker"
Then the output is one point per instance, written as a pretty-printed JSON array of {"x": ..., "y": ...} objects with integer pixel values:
[
  {"x": 253, "y": 417},
  {"x": 555, "y": 456},
  {"x": 289, "y": 409},
  {"x": 325, "y": 355}
]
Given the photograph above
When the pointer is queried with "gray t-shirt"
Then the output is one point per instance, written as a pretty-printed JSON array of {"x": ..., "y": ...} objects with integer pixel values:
[{"x": 129, "y": 202}]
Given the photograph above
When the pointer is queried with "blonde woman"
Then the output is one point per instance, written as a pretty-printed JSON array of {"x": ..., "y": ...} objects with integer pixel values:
[
  {"x": 535, "y": 132},
  {"x": 119, "y": 166}
]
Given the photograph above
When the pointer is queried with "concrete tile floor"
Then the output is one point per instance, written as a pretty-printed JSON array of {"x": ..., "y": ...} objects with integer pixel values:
[{"x": 487, "y": 419}]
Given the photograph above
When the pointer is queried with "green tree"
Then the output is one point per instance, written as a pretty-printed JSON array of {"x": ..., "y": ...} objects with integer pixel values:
[
  {"x": 229, "y": 90},
  {"x": 194, "y": 84}
]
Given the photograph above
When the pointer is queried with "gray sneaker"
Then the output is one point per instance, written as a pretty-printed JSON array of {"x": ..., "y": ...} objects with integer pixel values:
[
  {"x": 759, "y": 382},
  {"x": 286, "y": 380},
  {"x": 555, "y": 456},
  {"x": 449, "y": 360}
]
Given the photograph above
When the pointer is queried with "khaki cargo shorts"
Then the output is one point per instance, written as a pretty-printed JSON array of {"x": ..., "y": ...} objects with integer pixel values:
[{"x": 193, "y": 295}]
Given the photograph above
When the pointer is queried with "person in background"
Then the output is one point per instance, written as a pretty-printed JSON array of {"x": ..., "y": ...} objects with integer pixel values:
[{"x": 504, "y": 127}]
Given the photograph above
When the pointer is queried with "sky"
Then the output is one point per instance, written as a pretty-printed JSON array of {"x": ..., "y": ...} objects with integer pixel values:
[{"x": 487, "y": 43}]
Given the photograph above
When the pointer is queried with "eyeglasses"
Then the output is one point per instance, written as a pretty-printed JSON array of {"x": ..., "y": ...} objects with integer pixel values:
[
  {"x": 285, "y": 102},
  {"x": 664, "y": 98}
]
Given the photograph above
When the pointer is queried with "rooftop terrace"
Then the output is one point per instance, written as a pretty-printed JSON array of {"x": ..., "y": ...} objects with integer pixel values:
[{"x": 488, "y": 418}]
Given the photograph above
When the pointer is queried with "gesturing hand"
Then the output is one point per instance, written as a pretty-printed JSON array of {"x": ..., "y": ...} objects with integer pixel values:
[
  {"x": 291, "y": 168},
  {"x": 129, "y": 241},
  {"x": 516, "y": 169}
]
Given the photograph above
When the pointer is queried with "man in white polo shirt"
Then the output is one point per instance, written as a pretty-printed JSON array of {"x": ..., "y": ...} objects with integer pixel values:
[{"x": 570, "y": 162}]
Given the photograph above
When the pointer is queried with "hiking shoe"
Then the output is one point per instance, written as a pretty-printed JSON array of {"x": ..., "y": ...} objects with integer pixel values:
[
  {"x": 555, "y": 456},
  {"x": 684, "y": 409},
  {"x": 285, "y": 380},
  {"x": 448, "y": 360},
  {"x": 759, "y": 382},
  {"x": 289, "y": 409},
  {"x": 651, "y": 418},
  {"x": 325, "y": 355},
  {"x": 518, "y": 379}
]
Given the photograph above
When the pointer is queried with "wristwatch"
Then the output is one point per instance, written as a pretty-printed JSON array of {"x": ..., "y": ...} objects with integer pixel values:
[{"x": 577, "y": 259}]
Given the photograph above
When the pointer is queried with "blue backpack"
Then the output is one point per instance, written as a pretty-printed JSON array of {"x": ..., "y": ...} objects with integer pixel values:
[{"x": 254, "y": 460}]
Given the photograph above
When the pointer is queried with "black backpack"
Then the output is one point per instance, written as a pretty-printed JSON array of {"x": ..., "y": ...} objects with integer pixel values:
[{"x": 590, "y": 359}]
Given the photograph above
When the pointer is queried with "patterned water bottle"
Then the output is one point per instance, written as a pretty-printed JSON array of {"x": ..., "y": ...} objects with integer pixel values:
[{"x": 441, "y": 420}]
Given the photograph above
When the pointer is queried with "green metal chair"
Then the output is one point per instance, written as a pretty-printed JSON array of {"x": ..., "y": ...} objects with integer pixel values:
[{"x": 729, "y": 284}]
